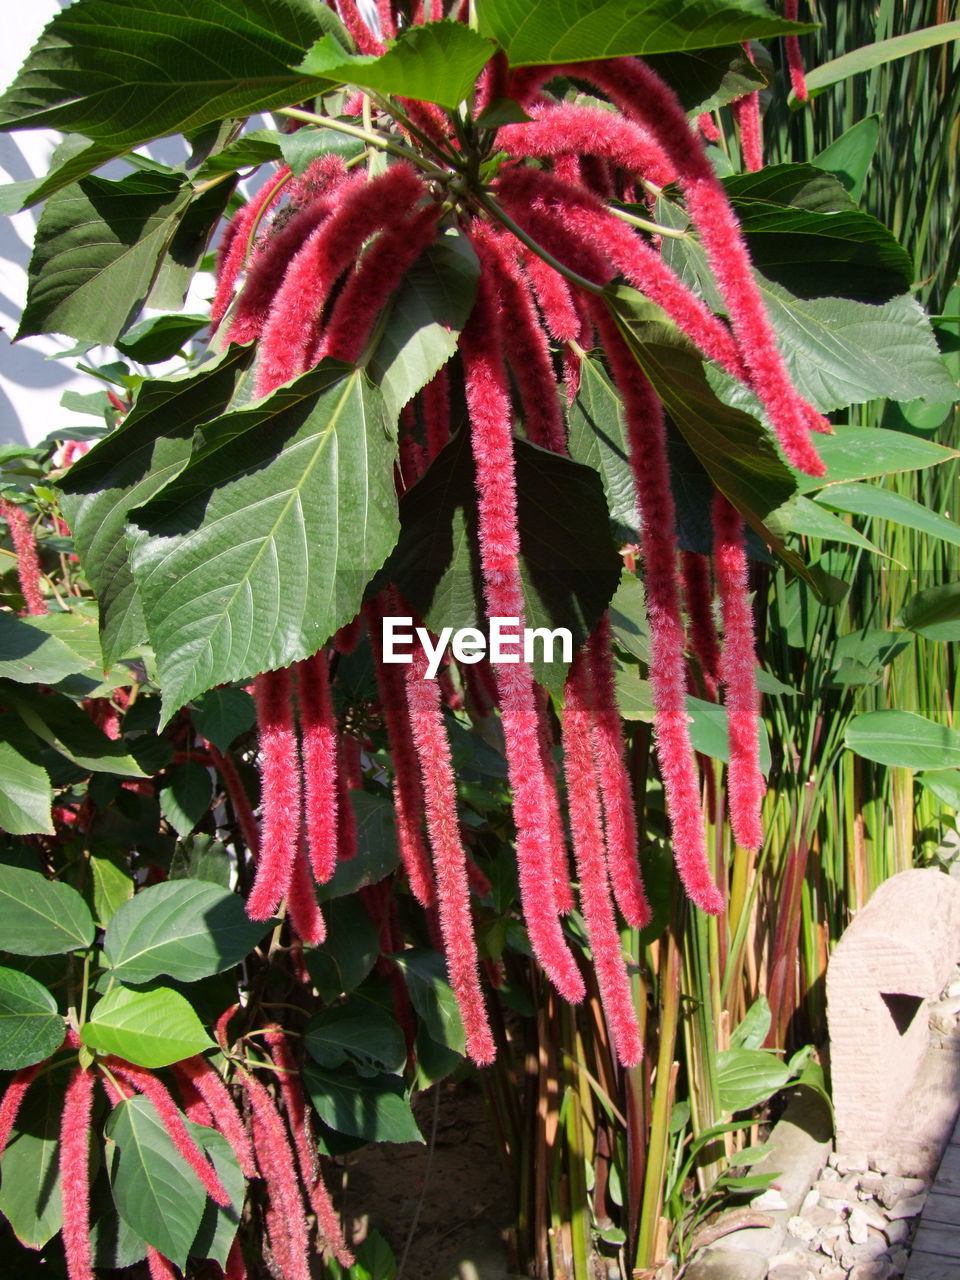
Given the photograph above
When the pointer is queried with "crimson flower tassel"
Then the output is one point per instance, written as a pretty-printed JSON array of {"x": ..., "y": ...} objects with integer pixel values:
[
  {"x": 236, "y": 1267},
  {"x": 366, "y": 41},
  {"x": 305, "y": 915},
  {"x": 707, "y": 126},
  {"x": 449, "y": 858},
  {"x": 237, "y": 242},
  {"x": 28, "y": 562},
  {"x": 279, "y": 793},
  {"x": 538, "y": 858},
  {"x": 286, "y": 1219},
  {"x": 648, "y": 461},
  {"x": 791, "y": 9},
  {"x": 306, "y": 1148},
  {"x": 172, "y": 1120},
  {"x": 407, "y": 796},
  {"x": 584, "y": 806},
  {"x": 329, "y": 251},
  {"x": 75, "y": 1173},
  {"x": 435, "y": 403},
  {"x": 242, "y": 808},
  {"x": 738, "y": 673},
  {"x": 697, "y": 595},
  {"x": 160, "y": 1268},
  {"x": 746, "y": 111},
  {"x": 318, "y": 727},
  {"x": 616, "y": 794},
  {"x": 641, "y": 94},
  {"x": 12, "y": 1100}
]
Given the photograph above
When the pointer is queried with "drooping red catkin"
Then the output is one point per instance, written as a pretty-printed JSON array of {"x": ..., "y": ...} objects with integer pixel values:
[
  {"x": 273, "y": 254},
  {"x": 168, "y": 1111},
  {"x": 160, "y": 1268},
  {"x": 488, "y": 406},
  {"x": 305, "y": 915},
  {"x": 584, "y": 806},
  {"x": 279, "y": 793},
  {"x": 697, "y": 596},
  {"x": 560, "y": 312},
  {"x": 12, "y": 1099},
  {"x": 361, "y": 210},
  {"x": 791, "y": 10},
  {"x": 738, "y": 674},
  {"x": 238, "y": 798},
  {"x": 349, "y": 777},
  {"x": 648, "y": 462},
  {"x": 640, "y": 93},
  {"x": 620, "y": 819},
  {"x": 236, "y": 1267},
  {"x": 75, "y": 1173},
  {"x": 388, "y": 25},
  {"x": 449, "y": 858},
  {"x": 525, "y": 341},
  {"x": 586, "y": 218},
  {"x": 318, "y": 735},
  {"x": 367, "y": 42},
  {"x": 567, "y": 129},
  {"x": 28, "y": 562},
  {"x": 379, "y": 272},
  {"x": 407, "y": 796},
  {"x": 298, "y": 1118},
  {"x": 236, "y": 242},
  {"x": 288, "y": 1227},
  {"x": 746, "y": 111},
  {"x": 707, "y": 126},
  {"x": 435, "y": 404}
]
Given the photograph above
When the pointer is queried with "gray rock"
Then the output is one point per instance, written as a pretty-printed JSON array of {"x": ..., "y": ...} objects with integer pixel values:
[
  {"x": 857, "y": 1226},
  {"x": 838, "y": 1190},
  {"x": 791, "y": 1271},
  {"x": 851, "y": 1162},
  {"x": 897, "y": 1231},
  {"x": 909, "y": 1207},
  {"x": 801, "y": 1229},
  {"x": 914, "y": 1186},
  {"x": 870, "y": 1185},
  {"x": 891, "y": 1191},
  {"x": 878, "y": 1269}
]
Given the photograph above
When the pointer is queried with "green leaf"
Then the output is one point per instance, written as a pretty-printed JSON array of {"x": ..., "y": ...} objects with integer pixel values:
[
  {"x": 358, "y": 1032},
  {"x": 375, "y": 1260},
  {"x": 218, "y": 1226},
  {"x": 30, "y": 656},
  {"x": 904, "y": 740},
  {"x": 545, "y": 31},
  {"x": 597, "y": 437},
  {"x": 849, "y": 157},
  {"x": 875, "y": 55},
  {"x": 187, "y": 247},
  {"x": 156, "y": 1192},
  {"x": 751, "y": 1032},
  {"x": 30, "y": 1197},
  {"x": 436, "y": 62},
  {"x": 97, "y": 250},
  {"x": 569, "y": 571},
  {"x": 811, "y": 521},
  {"x": 348, "y": 952},
  {"x": 222, "y": 715},
  {"x": 26, "y": 795},
  {"x": 202, "y": 858},
  {"x": 150, "y": 1028},
  {"x": 63, "y": 725},
  {"x": 30, "y": 1026},
  {"x": 870, "y": 500},
  {"x": 935, "y": 613},
  {"x": 747, "y": 1077},
  {"x": 187, "y": 929},
  {"x": 129, "y": 467},
  {"x": 860, "y": 656},
  {"x": 160, "y": 337},
  {"x": 708, "y": 79},
  {"x": 798, "y": 186},
  {"x": 78, "y": 75},
  {"x": 709, "y": 734},
  {"x": 186, "y": 796},
  {"x": 860, "y": 453},
  {"x": 735, "y": 451},
  {"x": 944, "y": 784},
  {"x": 424, "y": 319},
  {"x": 73, "y": 158},
  {"x": 370, "y": 1108},
  {"x": 432, "y": 996},
  {"x": 283, "y": 515},
  {"x": 376, "y": 854},
  {"x": 300, "y": 149},
  {"x": 112, "y": 886},
  {"x": 40, "y": 917},
  {"x": 634, "y": 694}
]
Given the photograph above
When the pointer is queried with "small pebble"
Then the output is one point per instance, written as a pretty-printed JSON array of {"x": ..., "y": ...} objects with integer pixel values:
[
  {"x": 801, "y": 1229},
  {"x": 791, "y": 1271},
  {"x": 891, "y": 1191},
  {"x": 769, "y": 1199},
  {"x": 870, "y": 1185},
  {"x": 837, "y": 1191},
  {"x": 877, "y": 1269},
  {"x": 810, "y": 1200},
  {"x": 908, "y": 1207},
  {"x": 857, "y": 1226},
  {"x": 897, "y": 1231},
  {"x": 851, "y": 1163},
  {"x": 914, "y": 1186}
]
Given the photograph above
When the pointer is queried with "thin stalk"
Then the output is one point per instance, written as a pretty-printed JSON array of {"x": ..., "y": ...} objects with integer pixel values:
[{"x": 370, "y": 137}]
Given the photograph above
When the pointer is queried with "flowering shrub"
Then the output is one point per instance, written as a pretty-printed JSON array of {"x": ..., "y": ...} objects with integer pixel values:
[{"x": 487, "y": 342}]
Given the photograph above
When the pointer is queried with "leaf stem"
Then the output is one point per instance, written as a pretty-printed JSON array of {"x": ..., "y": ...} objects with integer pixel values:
[
  {"x": 370, "y": 137},
  {"x": 655, "y": 228}
]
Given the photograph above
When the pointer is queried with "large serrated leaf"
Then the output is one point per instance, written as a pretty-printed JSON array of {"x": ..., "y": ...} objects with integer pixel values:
[
  {"x": 59, "y": 722},
  {"x": 29, "y": 655},
  {"x": 358, "y": 1032},
  {"x": 26, "y": 796},
  {"x": 372, "y": 1108},
  {"x": 30, "y": 1026},
  {"x": 156, "y": 1192},
  {"x": 435, "y": 62},
  {"x": 129, "y": 467},
  {"x": 597, "y": 438},
  {"x": 261, "y": 548},
  {"x": 150, "y": 1028},
  {"x": 98, "y": 247},
  {"x": 41, "y": 917},
  {"x": 543, "y": 31},
  {"x": 218, "y": 1226},
  {"x": 30, "y": 1197},
  {"x": 78, "y": 75},
  {"x": 187, "y": 929}
]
